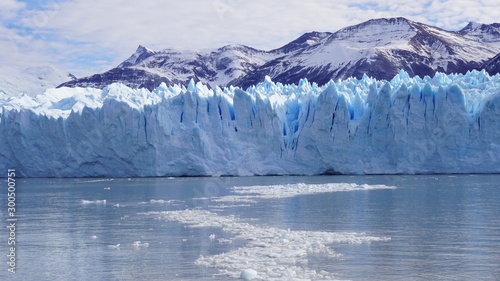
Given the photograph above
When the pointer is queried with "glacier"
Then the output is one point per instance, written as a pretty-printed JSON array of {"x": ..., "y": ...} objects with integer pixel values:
[{"x": 409, "y": 125}]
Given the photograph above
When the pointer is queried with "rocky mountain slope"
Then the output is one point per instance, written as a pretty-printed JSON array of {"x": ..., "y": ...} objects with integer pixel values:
[{"x": 379, "y": 48}]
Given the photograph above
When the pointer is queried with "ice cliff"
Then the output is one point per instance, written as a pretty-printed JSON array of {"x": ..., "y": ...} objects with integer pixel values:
[{"x": 440, "y": 124}]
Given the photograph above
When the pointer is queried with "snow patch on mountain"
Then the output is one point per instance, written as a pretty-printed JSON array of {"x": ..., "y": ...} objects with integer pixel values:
[
  {"x": 140, "y": 54},
  {"x": 31, "y": 81},
  {"x": 484, "y": 32}
]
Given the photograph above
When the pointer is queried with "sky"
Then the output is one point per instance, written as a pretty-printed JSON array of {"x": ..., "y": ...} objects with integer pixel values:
[{"x": 91, "y": 36}]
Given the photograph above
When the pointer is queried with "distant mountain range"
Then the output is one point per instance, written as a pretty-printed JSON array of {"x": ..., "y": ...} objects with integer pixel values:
[
  {"x": 32, "y": 80},
  {"x": 379, "y": 48}
]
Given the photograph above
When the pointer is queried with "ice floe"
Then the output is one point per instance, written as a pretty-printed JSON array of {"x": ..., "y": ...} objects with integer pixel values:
[
  {"x": 251, "y": 194},
  {"x": 272, "y": 253},
  {"x": 98, "y": 202}
]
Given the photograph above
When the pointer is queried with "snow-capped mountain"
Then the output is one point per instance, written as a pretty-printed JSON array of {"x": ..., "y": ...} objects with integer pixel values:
[
  {"x": 140, "y": 54},
  {"x": 32, "y": 80},
  {"x": 379, "y": 48},
  {"x": 147, "y": 68},
  {"x": 493, "y": 65},
  {"x": 483, "y": 32}
]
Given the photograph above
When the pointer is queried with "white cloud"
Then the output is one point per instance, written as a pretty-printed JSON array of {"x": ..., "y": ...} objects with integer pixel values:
[
  {"x": 11, "y": 5},
  {"x": 94, "y": 35},
  {"x": 9, "y": 8},
  {"x": 19, "y": 51}
]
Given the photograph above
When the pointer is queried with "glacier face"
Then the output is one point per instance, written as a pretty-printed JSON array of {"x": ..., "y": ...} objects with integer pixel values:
[{"x": 440, "y": 124}]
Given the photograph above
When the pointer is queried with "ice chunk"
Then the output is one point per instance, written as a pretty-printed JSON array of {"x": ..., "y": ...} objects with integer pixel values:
[
  {"x": 249, "y": 274},
  {"x": 99, "y": 202},
  {"x": 117, "y": 246},
  {"x": 137, "y": 245}
]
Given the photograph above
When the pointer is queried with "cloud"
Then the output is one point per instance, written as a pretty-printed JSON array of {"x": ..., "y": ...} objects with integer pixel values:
[
  {"x": 94, "y": 35},
  {"x": 9, "y": 8}
]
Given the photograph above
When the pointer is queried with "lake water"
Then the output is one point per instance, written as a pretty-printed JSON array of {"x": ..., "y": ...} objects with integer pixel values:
[{"x": 437, "y": 227}]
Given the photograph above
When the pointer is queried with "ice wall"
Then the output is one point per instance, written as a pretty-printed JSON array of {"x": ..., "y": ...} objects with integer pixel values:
[{"x": 443, "y": 124}]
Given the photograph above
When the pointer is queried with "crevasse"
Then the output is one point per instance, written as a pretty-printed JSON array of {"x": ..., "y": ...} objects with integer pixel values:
[{"x": 440, "y": 124}]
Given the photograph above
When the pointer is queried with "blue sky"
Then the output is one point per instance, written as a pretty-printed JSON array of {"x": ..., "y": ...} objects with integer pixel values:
[{"x": 89, "y": 36}]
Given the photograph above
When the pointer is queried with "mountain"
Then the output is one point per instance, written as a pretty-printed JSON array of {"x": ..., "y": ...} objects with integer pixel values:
[
  {"x": 307, "y": 40},
  {"x": 483, "y": 32},
  {"x": 147, "y": 69},
  {"x": 493, "y": 65},
  {"x": 140, "y": 54},
  {"x": 379, "y": 48},
  {"x": 443, "y": 124},
  {"x": 31, "y": 81}
]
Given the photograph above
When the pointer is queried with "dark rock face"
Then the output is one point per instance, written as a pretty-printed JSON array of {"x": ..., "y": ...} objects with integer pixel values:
[
  {"x": 379, "y": 48},
  {"x": 134, "y": 78},
  {"x": 492, "y": 66}
]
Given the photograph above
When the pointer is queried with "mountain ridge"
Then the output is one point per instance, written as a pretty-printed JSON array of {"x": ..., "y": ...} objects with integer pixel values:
[{"x": 379, "y": 48}]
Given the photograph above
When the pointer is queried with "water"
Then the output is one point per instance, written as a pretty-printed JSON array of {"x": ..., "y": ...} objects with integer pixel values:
[{"x": 440, "y": 227}]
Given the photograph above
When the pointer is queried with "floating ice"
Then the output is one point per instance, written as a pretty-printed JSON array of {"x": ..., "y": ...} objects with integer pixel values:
[
  {"x": 441, "y": 124},
  {"x": 117, "y": 246},
  {"x": 249, "y": 274},
  {"x": 251, "y": 194},
  {"x": 221, "y": 207},
  {"x": 99, "y": 180},
  {"x": 138, "y": 244},
  {"x": 160, "y": 201},
  {"x": 277, "y": 254},
  {"x": 99, "y": 202}
]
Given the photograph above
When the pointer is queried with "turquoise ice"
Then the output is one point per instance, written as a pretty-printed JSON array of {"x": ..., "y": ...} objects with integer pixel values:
[{"x": 440, "y": 124}]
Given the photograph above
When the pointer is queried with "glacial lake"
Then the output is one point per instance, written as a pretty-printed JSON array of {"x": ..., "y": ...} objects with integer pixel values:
[{"x": 426, "y": 227}]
